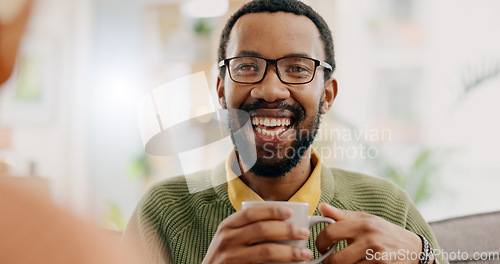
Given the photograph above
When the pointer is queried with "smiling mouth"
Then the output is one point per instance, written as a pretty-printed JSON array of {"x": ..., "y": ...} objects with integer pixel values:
[{"x": 271, "y": 126}]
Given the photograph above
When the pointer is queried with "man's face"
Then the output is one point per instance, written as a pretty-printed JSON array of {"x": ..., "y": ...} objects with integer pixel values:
[{"x": 285, "y": 117}]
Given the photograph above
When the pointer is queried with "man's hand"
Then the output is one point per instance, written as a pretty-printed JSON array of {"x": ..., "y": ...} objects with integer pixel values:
[
  {"x": 370, "y": 239},
  {"x": 238, "y": 238}
]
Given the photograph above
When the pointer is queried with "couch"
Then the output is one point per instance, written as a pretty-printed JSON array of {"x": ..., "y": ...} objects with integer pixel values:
[{"x": 476, "y": 237}]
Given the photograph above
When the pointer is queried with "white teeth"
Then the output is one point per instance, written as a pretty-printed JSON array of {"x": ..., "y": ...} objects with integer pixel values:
[
  {"x": 279, "y": 124},
  {"x": 272, "y": 133},
  {"x": 271, "y": 122}
]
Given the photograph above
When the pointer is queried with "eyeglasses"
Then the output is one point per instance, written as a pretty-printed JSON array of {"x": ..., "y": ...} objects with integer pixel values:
[{"x": 291, "y": 70}]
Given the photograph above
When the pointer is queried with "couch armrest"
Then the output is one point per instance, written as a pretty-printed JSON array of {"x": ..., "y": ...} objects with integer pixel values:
[{"x": 470, "y": 234}]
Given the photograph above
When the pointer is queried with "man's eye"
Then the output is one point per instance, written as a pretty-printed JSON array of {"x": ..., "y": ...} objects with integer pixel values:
[
  {"x": 247, "y": 67},
  {"x": 297, "y": 69}
]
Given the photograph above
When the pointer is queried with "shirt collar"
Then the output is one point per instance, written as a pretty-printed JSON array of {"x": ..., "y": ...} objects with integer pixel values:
[{"x": 238, "y": 191}]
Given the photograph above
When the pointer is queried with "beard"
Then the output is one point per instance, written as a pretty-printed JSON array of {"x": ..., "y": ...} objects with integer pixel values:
[{"x": 270, "y": 162}]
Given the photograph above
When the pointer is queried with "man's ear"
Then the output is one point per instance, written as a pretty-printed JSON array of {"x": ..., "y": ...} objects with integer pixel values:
[
  {"x": 329, "y": 95},
  {"x": 220, "y": 92}
]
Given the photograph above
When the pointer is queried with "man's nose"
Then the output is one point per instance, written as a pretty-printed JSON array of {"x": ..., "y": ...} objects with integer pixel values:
[{"x": 271, "y": 88}]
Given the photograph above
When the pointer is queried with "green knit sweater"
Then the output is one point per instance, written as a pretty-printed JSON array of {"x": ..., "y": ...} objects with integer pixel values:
[{"x": 171, "y": 225}]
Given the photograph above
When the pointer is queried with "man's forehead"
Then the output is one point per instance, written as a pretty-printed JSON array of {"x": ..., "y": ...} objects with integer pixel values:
[
  {"x": 274, "y": 35},
  {"x": 241, "y": 53}
]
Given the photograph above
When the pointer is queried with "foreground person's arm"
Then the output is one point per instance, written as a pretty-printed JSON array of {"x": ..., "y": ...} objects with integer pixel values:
[{"x": 34, "y": 230}]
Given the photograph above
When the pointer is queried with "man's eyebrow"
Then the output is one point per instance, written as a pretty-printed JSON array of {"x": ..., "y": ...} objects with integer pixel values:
[
  {"x": 256, "y": 54},
  {"x": 297, "y": 55},
  {"x": 248, "y": 53}
]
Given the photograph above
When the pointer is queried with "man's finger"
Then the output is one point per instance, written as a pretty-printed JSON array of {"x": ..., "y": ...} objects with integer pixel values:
[
  {"x": 257, "y": 213},
  {"x": 273, "y": 231},
  {"x": 350, "y": 254},
  {"x": 336, "y": 232},
  {"x": 365, "y": 261},
  {"x": 350, "y": 230},
  {"x": 273, "y": 252},
  {"x": 338, "y": 214}
]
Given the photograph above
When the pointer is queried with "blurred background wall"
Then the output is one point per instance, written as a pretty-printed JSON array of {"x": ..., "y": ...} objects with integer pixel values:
[{"x": 418, "y": 85}]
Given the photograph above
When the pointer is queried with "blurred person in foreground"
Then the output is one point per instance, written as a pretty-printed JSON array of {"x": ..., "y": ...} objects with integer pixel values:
[
  {"x": 32, "y": 228},
  {"x": 276, "y": 62}
]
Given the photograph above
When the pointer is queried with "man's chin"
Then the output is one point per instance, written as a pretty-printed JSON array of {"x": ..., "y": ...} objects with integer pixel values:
[
  {"x": 274, "y": 167},
  {"x": 267, "y": 170}
]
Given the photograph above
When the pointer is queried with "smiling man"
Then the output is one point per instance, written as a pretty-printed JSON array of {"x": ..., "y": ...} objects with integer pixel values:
[
  {"x": 276, "y": 62},
  {"x": 276, "y": 75}
]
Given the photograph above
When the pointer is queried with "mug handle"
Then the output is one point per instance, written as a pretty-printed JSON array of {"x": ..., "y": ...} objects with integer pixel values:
[{"x": 316, "y": 219}]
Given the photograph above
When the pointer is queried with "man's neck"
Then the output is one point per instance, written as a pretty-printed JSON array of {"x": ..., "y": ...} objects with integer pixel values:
[{"x": 283, "y": 188}]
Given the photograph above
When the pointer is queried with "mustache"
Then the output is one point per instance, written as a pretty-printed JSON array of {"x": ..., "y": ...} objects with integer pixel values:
[{"x": 297, "y": 110}]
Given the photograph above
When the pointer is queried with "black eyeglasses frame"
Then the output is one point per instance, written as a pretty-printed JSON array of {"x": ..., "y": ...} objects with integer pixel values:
[{"x": 225, "y": 63}]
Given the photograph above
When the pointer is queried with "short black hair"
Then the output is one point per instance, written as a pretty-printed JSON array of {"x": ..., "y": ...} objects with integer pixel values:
[{"x": 288, "y": 6}]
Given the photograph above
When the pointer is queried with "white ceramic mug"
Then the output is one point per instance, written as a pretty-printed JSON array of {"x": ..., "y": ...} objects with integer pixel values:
[{"x": 301, "y": 217}]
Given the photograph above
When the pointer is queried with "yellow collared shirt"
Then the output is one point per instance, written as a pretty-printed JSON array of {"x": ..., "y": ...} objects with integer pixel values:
[{"x": 238, "y": 191}]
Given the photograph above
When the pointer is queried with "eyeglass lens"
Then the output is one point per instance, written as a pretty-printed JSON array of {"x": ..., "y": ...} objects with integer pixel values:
[{"x": 290, "y": 69}]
